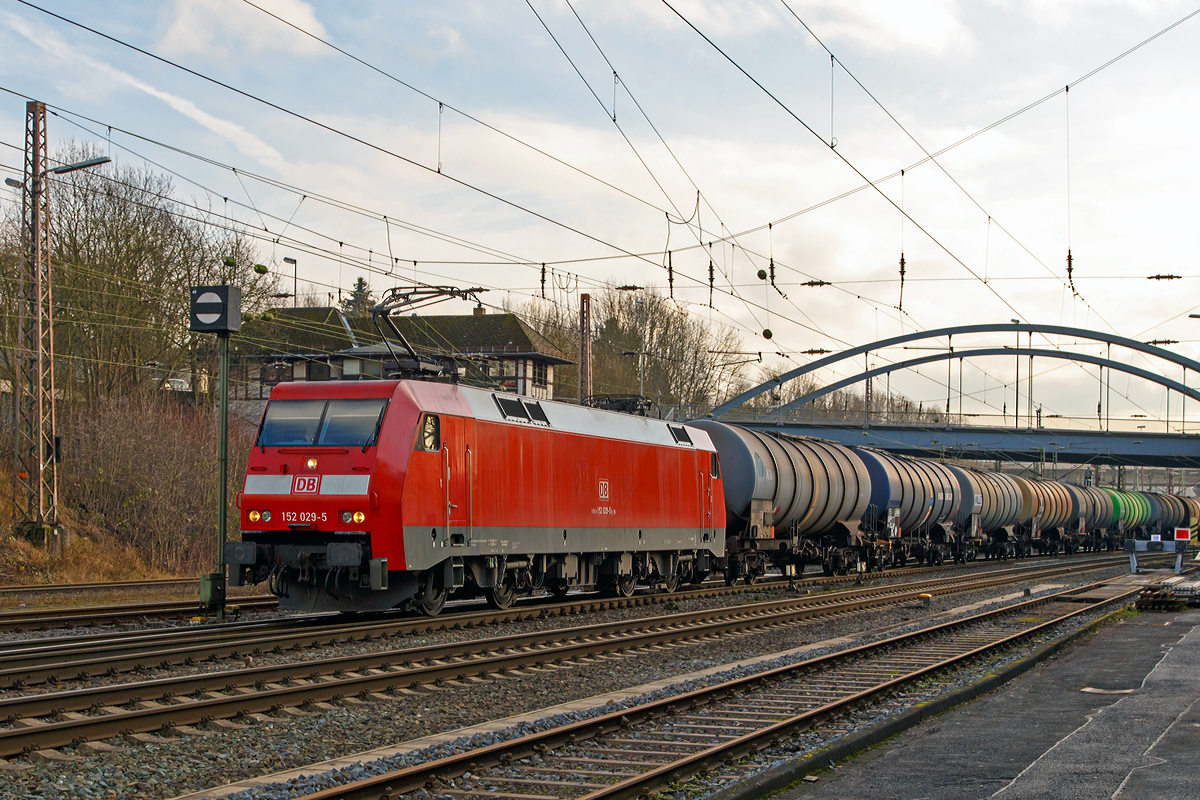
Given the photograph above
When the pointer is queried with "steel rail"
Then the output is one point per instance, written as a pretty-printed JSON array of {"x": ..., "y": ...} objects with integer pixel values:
[
  {"x": 51, "y": 662},
  {"x": 435, "y": 774},
  {"x": 530, "y": 608},
  {"x": 222, "y": 698},
  {"x": 87, "y": 616},
  {"x": 65, "y": 588},
  {"x": 27, "y": 619}
]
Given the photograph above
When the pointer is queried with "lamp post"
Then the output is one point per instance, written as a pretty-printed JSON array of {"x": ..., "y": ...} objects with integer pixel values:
[
  {"x": 641, "y": 368},
  {"x": 295, "y": 275},
  {"x": 1017, "y": 381}
]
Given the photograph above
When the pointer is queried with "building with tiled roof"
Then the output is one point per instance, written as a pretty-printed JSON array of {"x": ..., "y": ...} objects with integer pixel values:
[{"x": 313, "y": 344}]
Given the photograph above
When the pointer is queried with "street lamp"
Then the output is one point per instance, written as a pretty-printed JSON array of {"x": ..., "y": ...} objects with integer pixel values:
[
  {"x": 295, "y": 272},
  {"x": 1017, "y": 382},
  {"x": 641, "y": 368},
  {"x": 91, "y": 162}
]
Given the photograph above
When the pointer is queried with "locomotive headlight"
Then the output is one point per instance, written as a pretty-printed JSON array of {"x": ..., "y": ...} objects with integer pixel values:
[
  {"x": 356, "y": 517},
  {"x": 347, "y": 516},
  {"x": 266, "y": 516},
  {"x": 254, "y": 516},
  {"x": 311, "y": 463},
  {"x": 359, "y": 517}
]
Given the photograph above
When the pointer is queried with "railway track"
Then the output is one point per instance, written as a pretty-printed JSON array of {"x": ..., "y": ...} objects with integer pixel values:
[
  {"x": 636, "y": 752},
  {"x": 21, "y": 620},
  {"x": 60, "y": 718},
  {"x": 92, "y": 616},
  {"x": 31, "y": 663},
  {"x": 44, "y": 589}
]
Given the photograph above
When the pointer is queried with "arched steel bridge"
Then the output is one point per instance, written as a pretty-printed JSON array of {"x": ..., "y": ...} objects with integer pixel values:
[{"x": 977, "y": 442}]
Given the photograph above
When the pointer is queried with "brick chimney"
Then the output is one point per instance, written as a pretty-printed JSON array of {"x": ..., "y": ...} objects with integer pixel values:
[{"x": 480, "y": 311}]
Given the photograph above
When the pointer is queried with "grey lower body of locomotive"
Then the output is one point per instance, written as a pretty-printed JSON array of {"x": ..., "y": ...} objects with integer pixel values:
[{"x": 343, "y": 575}]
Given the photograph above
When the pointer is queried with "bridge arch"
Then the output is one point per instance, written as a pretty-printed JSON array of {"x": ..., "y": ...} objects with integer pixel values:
[
  {"x": 1055, "y": 330},
  {"x": 993, "y": 351}
]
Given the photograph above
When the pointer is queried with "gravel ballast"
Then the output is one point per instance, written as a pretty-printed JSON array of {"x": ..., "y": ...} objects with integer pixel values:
[{"x": 179, "y": 764}]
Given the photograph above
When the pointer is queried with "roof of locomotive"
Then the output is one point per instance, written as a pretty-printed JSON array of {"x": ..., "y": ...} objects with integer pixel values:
[{"x": 446, "y": 398}]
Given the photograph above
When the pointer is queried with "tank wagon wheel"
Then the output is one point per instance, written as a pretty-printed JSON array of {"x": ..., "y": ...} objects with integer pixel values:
[
  {"x": 625, "y": 585},
  {"x": 671, "y": 584},
  {"x": 558, "y": 590},
  {"x": 502, "y": 595}
]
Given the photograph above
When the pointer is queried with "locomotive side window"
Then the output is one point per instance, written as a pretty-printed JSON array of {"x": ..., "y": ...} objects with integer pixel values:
[
  {"x": 351, "y": 423},
  {"x": 511, "y": 407},
  {"x": 680, "y": 433},
  {"x": 715, "y": 468},
  {"x": 290, "y": 423},
  {"x": 431, "y": 433},
  {"x": 536, "y": 413}
]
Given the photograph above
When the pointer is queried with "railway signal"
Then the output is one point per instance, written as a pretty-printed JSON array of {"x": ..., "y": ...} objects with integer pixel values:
[{"x": 218, "y": 309}]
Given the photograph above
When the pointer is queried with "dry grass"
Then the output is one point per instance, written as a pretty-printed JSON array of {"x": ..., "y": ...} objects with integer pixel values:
[
  {"x": 94, "y": 556},
  {"x": 137, "y": 491}
]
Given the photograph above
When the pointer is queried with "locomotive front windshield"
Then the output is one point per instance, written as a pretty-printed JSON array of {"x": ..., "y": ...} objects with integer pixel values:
[{"x": 321, "y": 423}]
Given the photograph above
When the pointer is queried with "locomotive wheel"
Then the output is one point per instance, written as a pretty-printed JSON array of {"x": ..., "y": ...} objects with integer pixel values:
[
  {"x": 625, "y": 585},
  {"x": 502, "y": 595},
  {"x": 433, "y": 605}
]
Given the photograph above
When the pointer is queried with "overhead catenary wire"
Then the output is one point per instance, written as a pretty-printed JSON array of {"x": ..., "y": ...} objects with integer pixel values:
[
  {"x": 846, "y": 161},
  {"x": 731, "y": 284},
  {"x": 344, "y": 134}
]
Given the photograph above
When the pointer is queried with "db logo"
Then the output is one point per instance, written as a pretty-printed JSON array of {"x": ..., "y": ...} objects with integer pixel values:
[
  {"x": 603, "y": 490},
  {"x": 306, "y": 484}
]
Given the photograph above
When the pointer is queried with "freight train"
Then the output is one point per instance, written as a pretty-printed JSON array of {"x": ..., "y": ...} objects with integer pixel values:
[{"x": 373, "y": 495}]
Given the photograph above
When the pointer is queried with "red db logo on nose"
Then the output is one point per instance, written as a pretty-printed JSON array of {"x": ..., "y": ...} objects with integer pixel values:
[{"x": 306, "y": 484}]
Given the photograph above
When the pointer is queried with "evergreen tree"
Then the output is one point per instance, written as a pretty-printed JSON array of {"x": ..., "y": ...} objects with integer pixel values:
[{"x": 359, "y": 303}]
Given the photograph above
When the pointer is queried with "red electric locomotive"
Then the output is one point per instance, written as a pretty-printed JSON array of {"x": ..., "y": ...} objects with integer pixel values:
[{"x": 398, "y": 494}]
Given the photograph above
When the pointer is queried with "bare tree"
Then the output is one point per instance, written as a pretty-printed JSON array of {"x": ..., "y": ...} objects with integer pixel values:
[
  {"x": 124, "y": 255},
  {"x": 644, "y": 338}
]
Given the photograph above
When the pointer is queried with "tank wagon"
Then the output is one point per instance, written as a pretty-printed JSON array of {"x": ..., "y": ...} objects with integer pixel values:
[
  {"x": 372, "y": 495},
  {"x": 790, "y": 502},
  {"x": 794, "y": 501}
]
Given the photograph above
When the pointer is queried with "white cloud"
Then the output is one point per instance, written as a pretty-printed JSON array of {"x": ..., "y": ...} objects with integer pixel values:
[
  {"x": 917, "y": 27},
  {"x": 227, "y": 30},
  {"x": 930, "y": 27},
  {"x": 244, "y": 140}
]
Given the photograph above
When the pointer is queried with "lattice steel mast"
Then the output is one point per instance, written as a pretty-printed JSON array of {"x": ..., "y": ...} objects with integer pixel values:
[{"x": 36, "y": 498}]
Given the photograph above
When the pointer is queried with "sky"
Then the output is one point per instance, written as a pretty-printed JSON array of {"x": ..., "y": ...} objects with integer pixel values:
[{"x": 478, "y": 139}]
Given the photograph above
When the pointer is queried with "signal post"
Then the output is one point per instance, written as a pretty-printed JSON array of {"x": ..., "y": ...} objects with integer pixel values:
[{"x": 218, "y": 309}]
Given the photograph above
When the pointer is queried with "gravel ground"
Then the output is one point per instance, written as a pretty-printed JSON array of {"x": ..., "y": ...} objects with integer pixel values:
[
  {"x": 182, "y": 764},
  {"x": 664, "y": 605},
  {"x": 821, "y": 737}
]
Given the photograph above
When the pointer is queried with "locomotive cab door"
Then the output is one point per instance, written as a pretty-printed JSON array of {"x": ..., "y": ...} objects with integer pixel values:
[
  {"x": 709, "y": 470},
  {"x": 458, "y": 466}
]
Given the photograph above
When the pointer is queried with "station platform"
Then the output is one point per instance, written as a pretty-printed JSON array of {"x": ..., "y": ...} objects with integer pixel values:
[{"x": 1114, "y": 716}]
